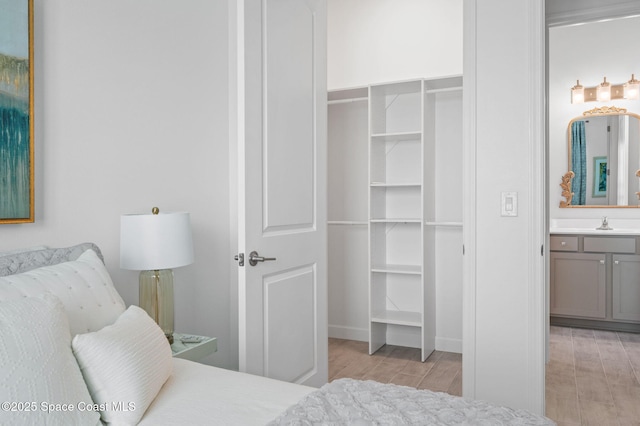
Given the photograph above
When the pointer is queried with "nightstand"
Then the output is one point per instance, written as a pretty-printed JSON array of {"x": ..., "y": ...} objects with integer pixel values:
[{"x": 193, "y": 351}]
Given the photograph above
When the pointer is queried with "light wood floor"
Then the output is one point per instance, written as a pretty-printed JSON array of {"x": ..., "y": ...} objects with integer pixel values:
[
  {"x": 592, "y": 377},
  {"x": 441, "y": 372}
]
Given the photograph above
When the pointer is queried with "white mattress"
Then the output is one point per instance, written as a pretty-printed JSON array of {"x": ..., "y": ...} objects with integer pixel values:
[{"x": 198, "y": 394}]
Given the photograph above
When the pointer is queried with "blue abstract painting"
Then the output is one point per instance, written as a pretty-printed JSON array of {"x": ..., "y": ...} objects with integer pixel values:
[{"x": 16, "y": 129}]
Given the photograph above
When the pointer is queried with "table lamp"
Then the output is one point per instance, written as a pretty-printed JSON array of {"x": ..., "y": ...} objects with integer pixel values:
[{"x": 154, "y": 244}]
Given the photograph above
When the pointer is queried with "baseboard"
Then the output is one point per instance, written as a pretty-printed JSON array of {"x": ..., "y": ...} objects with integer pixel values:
[
  {"x": 595, "y": 324},
  {"x": 349, "y": 333},
  {"x": 445, "y": 344},
  {"x": 395, "y": 337}
]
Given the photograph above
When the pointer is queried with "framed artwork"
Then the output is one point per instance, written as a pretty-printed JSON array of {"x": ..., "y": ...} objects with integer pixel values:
[
  {"x": 16, "y": 112},
  {"x": 599, "y": 177}
]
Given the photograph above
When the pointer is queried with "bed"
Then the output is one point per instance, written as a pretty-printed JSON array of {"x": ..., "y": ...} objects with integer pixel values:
[{"x": 72, "y": 353}]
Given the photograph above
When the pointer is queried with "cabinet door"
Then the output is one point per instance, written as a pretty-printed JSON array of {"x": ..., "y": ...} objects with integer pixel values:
[
  {"x": 626, "y": 287},
  {"x": 578, "y": 285}
]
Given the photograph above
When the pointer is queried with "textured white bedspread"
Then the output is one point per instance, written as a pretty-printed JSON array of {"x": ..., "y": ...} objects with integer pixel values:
[
  {"x": 198, "y": 394},
  {"x": 354, "y": 402}
]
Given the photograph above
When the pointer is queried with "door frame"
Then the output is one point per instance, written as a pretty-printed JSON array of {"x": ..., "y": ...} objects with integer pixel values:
[{"x": 236, "y": 133}]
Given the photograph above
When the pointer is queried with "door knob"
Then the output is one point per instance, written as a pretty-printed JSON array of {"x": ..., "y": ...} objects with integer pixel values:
[{"x": 254, "y": 258}]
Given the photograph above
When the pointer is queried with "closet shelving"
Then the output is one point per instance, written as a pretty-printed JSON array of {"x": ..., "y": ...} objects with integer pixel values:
[
  {"x": 402, "y": 218},
  {"x": 390, "y": 215}
]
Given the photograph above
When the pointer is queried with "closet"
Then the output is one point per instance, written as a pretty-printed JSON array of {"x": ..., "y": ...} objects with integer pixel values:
[{"x": 395, "y": 214}]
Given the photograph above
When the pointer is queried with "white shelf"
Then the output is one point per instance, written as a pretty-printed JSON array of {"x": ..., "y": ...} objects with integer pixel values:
[
  {"x": 449, "y": 83},
  {"x": 348, "y": 94},
  {"x": 405, "y": 125},
  {"x": 397, "y": 269},
  {"x": 448, "y": 89},
  {"x": 347, "y": 101},
  {"x": 396, "y": 136},
  {"x": 395, "y": 185},
  {"x": 397, "y": 87},
  {"x": 399, "y": 179},
  {"x": 413, "y": 319},
  {"x": 347, "y": 222},
  {"x": 396, "y": 220},
  {"x": 445, "y": 224}
]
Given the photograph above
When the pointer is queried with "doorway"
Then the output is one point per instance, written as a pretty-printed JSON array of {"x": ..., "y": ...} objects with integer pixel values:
[{"x": 588, "y": 368}]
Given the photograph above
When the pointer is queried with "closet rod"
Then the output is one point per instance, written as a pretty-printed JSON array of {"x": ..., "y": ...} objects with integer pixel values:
[
  {"x": 346, "y": 101},
  {"x": 450, "y": 224},
  {"x": 447, "y": 89}
]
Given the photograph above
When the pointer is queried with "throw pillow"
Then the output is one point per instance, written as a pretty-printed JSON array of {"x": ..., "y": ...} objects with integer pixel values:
[
  {"x": 124, "y": 365},
  {"x": 40, "y": 381},
  {"x": 83, "y": 285}
]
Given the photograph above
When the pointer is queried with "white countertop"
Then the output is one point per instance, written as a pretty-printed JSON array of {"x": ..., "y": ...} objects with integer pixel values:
[
  {"x": 593, "y": 231},
  {"x": 588, "y": 226}
]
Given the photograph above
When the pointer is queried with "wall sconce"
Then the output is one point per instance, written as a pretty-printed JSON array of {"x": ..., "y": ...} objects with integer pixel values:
[
  {"x": 606, "y": 91},
  {"x": 603, "y": 91},
  {"x": 577, "y": 93},
  {"x": 632, "y": 88}
]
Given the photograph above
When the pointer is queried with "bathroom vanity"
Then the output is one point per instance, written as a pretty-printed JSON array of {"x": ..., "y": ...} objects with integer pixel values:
[{"x": 595, "y": 278}]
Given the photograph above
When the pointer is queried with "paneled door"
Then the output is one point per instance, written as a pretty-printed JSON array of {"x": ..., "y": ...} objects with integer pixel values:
[{"x": 282, "y": 190}]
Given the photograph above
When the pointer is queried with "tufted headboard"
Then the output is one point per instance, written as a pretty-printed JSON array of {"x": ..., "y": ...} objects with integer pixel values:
[{"x": 23, "y": 261}]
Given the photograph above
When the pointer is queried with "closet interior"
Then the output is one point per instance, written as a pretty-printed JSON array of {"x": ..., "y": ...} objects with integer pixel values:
[{"x": 395, "y": 214}]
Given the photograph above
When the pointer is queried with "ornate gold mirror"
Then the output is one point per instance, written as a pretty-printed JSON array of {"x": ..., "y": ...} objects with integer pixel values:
[{"x": 604, "y": 159}]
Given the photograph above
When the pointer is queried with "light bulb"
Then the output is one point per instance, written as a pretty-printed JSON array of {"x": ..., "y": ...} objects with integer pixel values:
[
  {"x": 632, "y": 88},
  {"x": 603, "y": 92},
  {"x": 577, "y": 93}
]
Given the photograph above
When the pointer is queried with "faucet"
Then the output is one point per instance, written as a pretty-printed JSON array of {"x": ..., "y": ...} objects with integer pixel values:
[{"x": 605, "y": 225}]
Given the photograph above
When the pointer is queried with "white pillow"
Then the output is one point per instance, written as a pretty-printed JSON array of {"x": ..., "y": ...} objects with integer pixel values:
[
  {"x": 37, "y": 367},
  {"x": 83, "y": 285},
  {"x": 125, "y": 363}
]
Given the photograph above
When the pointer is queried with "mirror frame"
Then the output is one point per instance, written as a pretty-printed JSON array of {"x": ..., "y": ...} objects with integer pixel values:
[{"x": 567, "y": 177}]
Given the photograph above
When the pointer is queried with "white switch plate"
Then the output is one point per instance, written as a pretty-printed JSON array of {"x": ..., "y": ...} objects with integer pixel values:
[{"x": 509, "y": 205}]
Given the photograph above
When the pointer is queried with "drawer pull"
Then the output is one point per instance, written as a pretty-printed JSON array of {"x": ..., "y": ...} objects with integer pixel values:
[
  {"x": 564, "y": 243},
  {"x": 602, "y": 262},
  {"x": 617, "y": 262}
]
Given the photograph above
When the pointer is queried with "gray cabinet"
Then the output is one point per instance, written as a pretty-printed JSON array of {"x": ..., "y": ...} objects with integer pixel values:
[
  {"x": 595, "y": 281},
  {"x": 626, "y": 288},
  {"x": 578, "y": 284}
]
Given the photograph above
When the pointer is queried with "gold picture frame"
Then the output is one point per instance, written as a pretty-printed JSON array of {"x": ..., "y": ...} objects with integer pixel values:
[{"x": 16, "y": 112}]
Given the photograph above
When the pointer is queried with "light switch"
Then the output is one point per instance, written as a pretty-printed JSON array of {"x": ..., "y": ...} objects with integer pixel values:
[{"x": 509, "y": 204}]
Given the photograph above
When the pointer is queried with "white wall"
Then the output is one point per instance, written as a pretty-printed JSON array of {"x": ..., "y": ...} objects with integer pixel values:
[
  {"x": 131, "y": 112},
  {"x": 504, "y": 293},
  {"x": 584, "y": 52},
  {"x": 377, "y": 41}
]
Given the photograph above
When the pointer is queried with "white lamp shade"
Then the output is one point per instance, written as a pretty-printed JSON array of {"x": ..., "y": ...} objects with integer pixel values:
[{"x": 155, "y": 241}]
